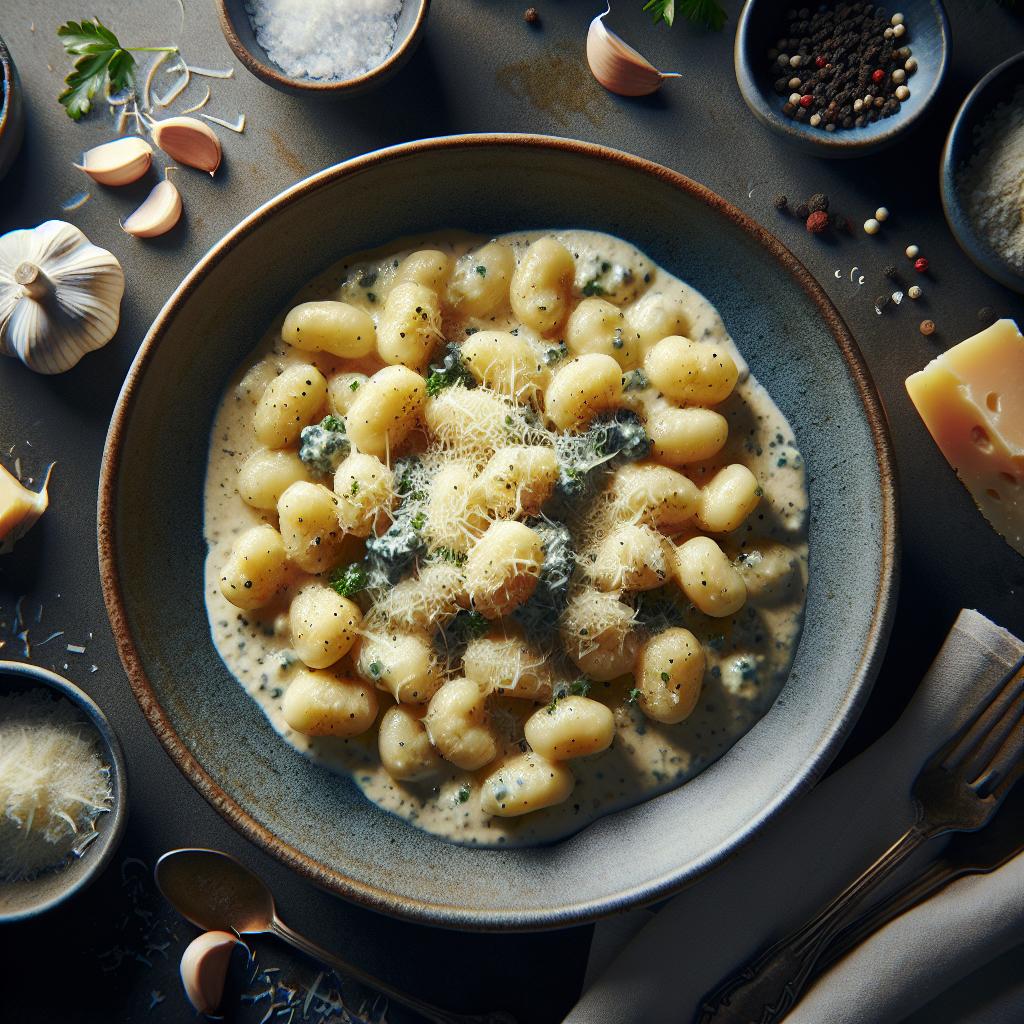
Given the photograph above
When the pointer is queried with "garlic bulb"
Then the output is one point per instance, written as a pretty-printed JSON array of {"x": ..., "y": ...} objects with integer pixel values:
[
  {"x": 60, "y": 296},
  {"x": 119, "y": 162},
  {"x": 158, "y": 214},
  {"x": 617, "y": 66},
  {"x": 189, "y": 141},
  {"x": 20, "y": 508}
]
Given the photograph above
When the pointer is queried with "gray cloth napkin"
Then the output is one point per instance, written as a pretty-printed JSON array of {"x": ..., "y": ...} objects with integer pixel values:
[{"x": 803, "y": 858}]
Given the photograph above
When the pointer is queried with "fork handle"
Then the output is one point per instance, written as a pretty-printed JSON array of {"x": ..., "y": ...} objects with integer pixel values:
[{"x": 768, "y": 987}]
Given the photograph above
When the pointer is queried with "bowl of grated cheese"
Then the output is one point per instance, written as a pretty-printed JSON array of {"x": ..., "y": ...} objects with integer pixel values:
[
  {"x": 63, "y": 801},
  {"x": 323, "y": 47}
]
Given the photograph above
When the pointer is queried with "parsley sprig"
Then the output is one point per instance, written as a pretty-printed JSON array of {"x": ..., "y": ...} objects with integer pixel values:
[
  {"x": 100, "y": 58},
  {"x": 708, "y": 13}
]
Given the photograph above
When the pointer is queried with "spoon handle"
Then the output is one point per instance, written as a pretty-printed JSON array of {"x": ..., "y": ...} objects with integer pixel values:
[{"x": 432, "y": 1013}]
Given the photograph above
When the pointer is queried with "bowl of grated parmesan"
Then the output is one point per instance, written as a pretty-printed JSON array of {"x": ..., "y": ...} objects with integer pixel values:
[
  {"x": 982, "y": 174},
  {"x": 323, "y": 47},
  {"x": 62, "y": 790}
]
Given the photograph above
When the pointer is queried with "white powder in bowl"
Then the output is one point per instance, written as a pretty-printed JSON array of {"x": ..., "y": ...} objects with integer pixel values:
[
  {"x": 992, "y": 183},
  {"x": 325, "y": 40}
]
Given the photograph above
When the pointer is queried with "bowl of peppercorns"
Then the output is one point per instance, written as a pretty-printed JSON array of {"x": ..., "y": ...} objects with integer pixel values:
[{"x": 844, "y": 78}]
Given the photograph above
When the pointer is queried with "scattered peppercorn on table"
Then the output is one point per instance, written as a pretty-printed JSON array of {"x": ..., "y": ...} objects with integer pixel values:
[{"x": 480, "y": 67}]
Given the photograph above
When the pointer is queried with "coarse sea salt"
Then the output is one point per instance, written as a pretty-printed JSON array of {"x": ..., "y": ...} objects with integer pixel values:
[{"x": 325, "y": 40}]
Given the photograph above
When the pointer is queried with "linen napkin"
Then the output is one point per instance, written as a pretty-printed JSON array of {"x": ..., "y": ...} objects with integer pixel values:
[{"x": 807, "y": 855}]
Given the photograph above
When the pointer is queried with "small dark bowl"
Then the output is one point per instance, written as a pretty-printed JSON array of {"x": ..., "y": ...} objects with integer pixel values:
[
  {"x": 238, "y": 31},
  {"x": 996, "y": 87},
  {"x": 761, "y": 23},
  {"x": 22, "y": 900},
  {"x": 12, "y": 112}
]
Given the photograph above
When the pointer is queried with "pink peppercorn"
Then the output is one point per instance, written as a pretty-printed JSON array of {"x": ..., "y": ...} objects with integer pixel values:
[
  {"x": 806, "y": 101},
  {"x": 921, "y": 265},
  {"x": 817, "y": 222},
  {"x": 878, "y": 75},
  {"x": 820, "y": 62}
]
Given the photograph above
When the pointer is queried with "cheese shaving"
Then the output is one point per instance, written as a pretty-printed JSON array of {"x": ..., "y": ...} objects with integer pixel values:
[
  {"x": 54, "y": 784},
  {"x": 237, "y": 126}
]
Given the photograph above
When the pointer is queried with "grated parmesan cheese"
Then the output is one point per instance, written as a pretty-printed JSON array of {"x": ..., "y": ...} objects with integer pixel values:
[{"x": 54, "y": 784}]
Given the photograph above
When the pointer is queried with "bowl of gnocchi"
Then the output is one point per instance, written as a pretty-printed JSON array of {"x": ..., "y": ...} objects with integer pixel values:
[{"x": 529, "y": 555}]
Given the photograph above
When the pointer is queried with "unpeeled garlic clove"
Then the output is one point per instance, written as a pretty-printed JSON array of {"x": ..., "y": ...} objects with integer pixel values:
[
  {"x": 617, "y": 66},
  {"x": 119, "y": 162},
  {"x": 189, "y": 141},
  {"x": 158, "y": 214},
  {"x": 204, "y": 969},
  {"x": 20, "y": 508}
]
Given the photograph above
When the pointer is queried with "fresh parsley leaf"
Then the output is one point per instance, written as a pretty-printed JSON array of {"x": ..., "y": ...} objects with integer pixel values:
[
  {"x": 593, "y": 288},
  {"x": 418, "y": 521},
  {"x": 376, "y": 668},
  {"x": 348, "y": 580},
  {"x": 450, "y": 372},
  {"x": 581, "y": 687},
  {"x": 633, "y": 696},
  {"x": 482, "y": 271},
  {"x": 353, "y": 385},
  {"x": 707, "y": 13},
  {"x": 450, "y": 555},
  {"x": 463, "y": 794}
]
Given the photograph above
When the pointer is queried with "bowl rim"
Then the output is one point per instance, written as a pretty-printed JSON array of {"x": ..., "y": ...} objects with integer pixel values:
[
  {"x": 429, "y": 912},
  {"x": 7, "y": 105},
  {"x": 980, "y": 254},
  {"x": 119, "y": 811},
  {"x": 829, "y": 143},
  {"x": 272, "y": 74}
]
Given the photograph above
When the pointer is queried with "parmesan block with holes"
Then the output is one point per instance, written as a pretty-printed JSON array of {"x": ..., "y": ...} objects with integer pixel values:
[{"x": 971, "y": 399}]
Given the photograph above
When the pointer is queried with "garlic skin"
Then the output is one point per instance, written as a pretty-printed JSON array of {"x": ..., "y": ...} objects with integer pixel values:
[
  {"x": 60, "y": 296},
  {"x": 119, "y": 162},
  {"x": 20, "y": 508},
  {"x": 159, "y": 212},
  {"x": 204, "y": 969},
  {"x": 617, "y": 66},
  {"x": 189, "y": 141}
]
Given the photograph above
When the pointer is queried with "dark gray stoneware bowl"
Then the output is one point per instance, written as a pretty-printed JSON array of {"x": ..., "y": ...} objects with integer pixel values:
[
  {"x": 22, "y": 900},
  {"x": 759, "y": 28},
  {"x": 998, "y": 86},
  {"x": 12, "y": 111},
  {"x": 152, "y": 549}
]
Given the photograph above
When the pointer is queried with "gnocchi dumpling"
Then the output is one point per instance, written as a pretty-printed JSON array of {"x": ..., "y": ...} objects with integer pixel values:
[
  {"x": 728, "y": 498},
  {"x": 256, "y": 569},
  {"x": 582, "y": 388},
  {"x": 427, "y": 601},
  {"x": 598, "y": 633},
  {"x": 525, "y": 783},
  {"x": 292, "y": 400},
  {"x": 656, "y": 495},
  {"x": 455, "y": 520},
  {"x": 682, "y": 436},
  {"x": 406, "y": 752},
  {"x": 385, "y": 409},
  {"x": 517, "y": 480},
  {"x": 571, "y": 727},
  {"x": 342, "y": 389},
  {"x": 695, "y": 372},
  {"x": 323, "y": 625},
  {"x": 333, "y": 327},
  {"x": 473, "y": 421},
  {"x": 308, "y": 516},
  {"x": 669, "y": 675},
  {"x": 541, "y": 286},
  {"x": 321, "y": 703},
  {"x": 459, "y": 726},
  {"x": 410, "y": 325},
  {"x": 596, "y": 325},
  {"x": 428, "y": 267},
  {"x": 364, "y": 487},
  {"x": 480, "y": 282},
  {"x": 507, "y": 363},
  {"x": 266, "y": 474},
  {"x": 708, "y": 578},
  {"x": 502, "y": 568},
  {"x": 509, "y": 665},
  {"x": 655, "y": 316},
  {"x": 404, "y": 664},
  {"x": 631, "y": 557}
]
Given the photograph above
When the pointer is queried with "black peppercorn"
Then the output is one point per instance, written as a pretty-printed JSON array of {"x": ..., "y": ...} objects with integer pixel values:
[
  {"x": 819, "y": 201},
  {"x": 780, "y": 203},
  {"x": 891, "y": 272},
  {"x": 531, "y": 16}
]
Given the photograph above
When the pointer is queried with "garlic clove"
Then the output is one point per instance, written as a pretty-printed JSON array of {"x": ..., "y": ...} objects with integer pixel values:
[
  {"x": 160, "y": 211},
  {"x": 617, "y": 66},
  {"x": 204, "y": 969},
  {"x": 20, "y": 508},
  {"x": 189, "y": 141},
  {"x": 119, "y": 162}
]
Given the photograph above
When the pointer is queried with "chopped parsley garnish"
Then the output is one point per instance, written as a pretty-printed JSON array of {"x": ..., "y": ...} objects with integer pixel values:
[
  {"x": 554, "y": 355},
  {"x": 354, "y": 490},
  {"x": 463, "y": 794},
  {"x": 349, "y": 580},
  {"x": 664, "y": 677},
  {"x": 580, "y": 687},
  {"x": 376, "y": 668},
  {"x": 418, "y": 521},
  {"x": 635, "y": 380},
  {"x": 353, "y": 385},
  {"x": 593, "y": 288},
  {"x": 450, "y": 555},
  {"x": 482, "y": 271},
  {"x": 451, "y": 371},
  {"x": 633, "y": 696}
]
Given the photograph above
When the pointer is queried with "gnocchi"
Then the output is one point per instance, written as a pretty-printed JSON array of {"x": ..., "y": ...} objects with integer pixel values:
[
  {"x": 542, "y": 285},
  {"x": 506, "y": 362},
  {"x": 404, "y": 664},
  {"x": 596, "y": 325},
  {"x": 458, "y": 724},
  {"x": 324, "y": 704},
  {"x": 517, "y": 481},
  {"x": 405, "y": 748},
  {"x": 728, "y": 498},
  {"x": 291, "y": 401},
  {"x": 631, "y": 557},
  {"x": 257, "y": 568},
  {"x": 323, "y": 625},
  {"x": 266, "y": 474},
  {"x": 708, "y": 578},
  {"x": 364, "y": 487},
  {"x": 308, "y": 514},
  {"x": 480, "y": 282},
  {"x": 410, "y": 326},
  {"x": 385, "y": 410},
  {"x": 503, "y": 567},
  {"x": 525, "y": 783},
  {"x": 584, "y": 387},
  {"x": 669, "y": 675},
  {"x": 574, "y": 726},
  {"x": 333, "y": 327},
  {"x": 698, "y": 373}
]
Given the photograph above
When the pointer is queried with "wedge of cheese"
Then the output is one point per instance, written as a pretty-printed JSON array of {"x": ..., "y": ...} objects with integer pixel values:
[{"x": 971, "y": 399}]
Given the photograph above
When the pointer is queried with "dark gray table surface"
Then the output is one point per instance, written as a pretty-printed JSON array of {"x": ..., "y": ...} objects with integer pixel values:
[{"x": 480, "y": 68}]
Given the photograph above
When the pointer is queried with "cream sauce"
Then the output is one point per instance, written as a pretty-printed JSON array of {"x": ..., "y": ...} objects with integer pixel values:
[{"x": 748, "y": 655}]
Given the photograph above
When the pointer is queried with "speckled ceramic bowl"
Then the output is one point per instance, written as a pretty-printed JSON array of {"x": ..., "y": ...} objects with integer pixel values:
[
  {"x": 760, "y": 25},
  {"x": 998, "y": 86},
  {"x": 12, "y": 111},
  {"x": 238, "y": 31},
  {"x": 22, "y": 900},
  {"x": 152, "y": 549}
]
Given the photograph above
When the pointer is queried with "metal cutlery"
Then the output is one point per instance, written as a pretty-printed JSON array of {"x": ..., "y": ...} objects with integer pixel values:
[{"x": 958, "y": 790}]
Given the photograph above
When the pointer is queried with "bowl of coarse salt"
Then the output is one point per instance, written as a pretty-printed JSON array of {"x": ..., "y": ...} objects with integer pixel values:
[
  {"x": 982, "y": 174},
  {"x": 323, "y": 47},
  {"x": 63, "y": 802}
]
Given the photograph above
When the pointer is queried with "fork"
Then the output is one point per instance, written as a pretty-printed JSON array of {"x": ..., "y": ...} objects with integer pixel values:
[{"x": 959, "y": 788}]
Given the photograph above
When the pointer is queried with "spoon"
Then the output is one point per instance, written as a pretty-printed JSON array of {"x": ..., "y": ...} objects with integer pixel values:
[{"x": 216, "y": 893}]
